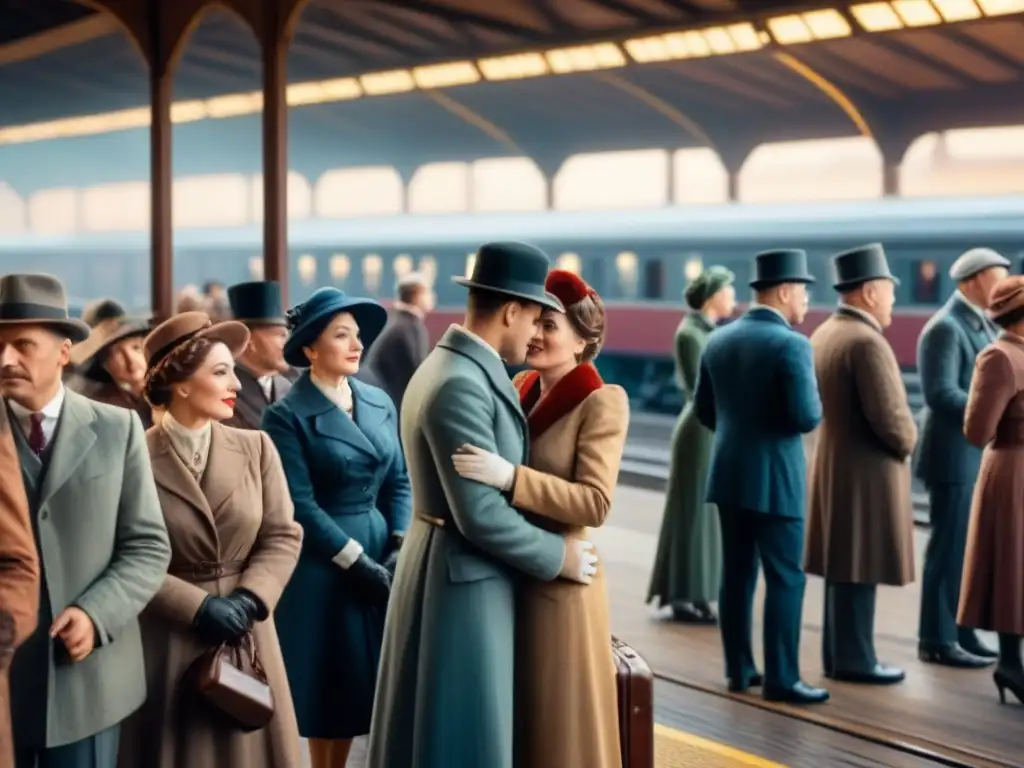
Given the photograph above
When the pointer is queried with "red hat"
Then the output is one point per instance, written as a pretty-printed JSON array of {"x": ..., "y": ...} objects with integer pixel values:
[{"x": 568, "y": 287}]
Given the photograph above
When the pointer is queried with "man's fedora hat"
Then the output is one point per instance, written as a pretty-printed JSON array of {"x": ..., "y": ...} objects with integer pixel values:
[
  {"x": 38, "y": 300},
  {"x": 257, "y": 303},
  {"x": 516, "y": 270},
  {"x": 108, "y": 333},
  {"x": 307, "y": 321},
  {"x": 172, "y": 333},
  {"x": 859, "y": 265},
  {"x": 785, "y": 265}
]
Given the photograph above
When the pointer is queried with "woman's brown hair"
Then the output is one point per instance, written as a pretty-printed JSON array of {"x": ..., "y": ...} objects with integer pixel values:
[
  {"x": 179, "y": 366},
  {"x": 587, "y": 318}
]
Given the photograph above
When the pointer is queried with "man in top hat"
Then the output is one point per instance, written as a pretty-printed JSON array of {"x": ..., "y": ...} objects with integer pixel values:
[
  {"x": 403, "y": 344},
  {"x": 757, "y": 392},
  {"x": 860, "y": 527},
  {"x": 102, "y": 544},
  {"x": 445, "y": 688},
  {"x": 112, "y": 367},
  {"x": 261, "y": 367},
  {"x": 946, "y": 462}
]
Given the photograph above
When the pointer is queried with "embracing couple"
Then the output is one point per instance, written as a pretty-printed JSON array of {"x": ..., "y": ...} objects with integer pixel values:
[{"x": 497, "y": 642}]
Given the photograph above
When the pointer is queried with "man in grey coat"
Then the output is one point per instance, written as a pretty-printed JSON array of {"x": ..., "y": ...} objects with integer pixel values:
[
  {"x": 444, "y": 694},
  {"x": 103, "y": 547},
  {"x": 946, "y": 463}
]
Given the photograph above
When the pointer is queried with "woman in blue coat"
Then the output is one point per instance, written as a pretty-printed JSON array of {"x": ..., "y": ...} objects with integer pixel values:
[{"x": 338, "y": 440}]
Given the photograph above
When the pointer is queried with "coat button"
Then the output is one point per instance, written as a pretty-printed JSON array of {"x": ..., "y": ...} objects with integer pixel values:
[
  {"x": 366, "y": 487},
  {"x": 44, "y": 514}
]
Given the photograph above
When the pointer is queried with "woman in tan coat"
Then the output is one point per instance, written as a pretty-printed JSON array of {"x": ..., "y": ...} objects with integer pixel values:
[
  {"x": 565, "y": 675},
  {"x": 992, "y": 595},
  {"x": 234, "y": 546}
]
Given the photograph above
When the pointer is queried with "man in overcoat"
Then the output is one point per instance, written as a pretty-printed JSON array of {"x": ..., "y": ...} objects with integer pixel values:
[
  {"x": 946, "y": 462},
  {"x": 860, "y": 527},
  {"x": 19, "y": 573},
  {"x": 403, "y": 344},
  {"x": 757, "y": 392},
  {"x": 102, "y": 543},
  {"x": 261, "y": 367},
  {"x": 445, "y": 689}
]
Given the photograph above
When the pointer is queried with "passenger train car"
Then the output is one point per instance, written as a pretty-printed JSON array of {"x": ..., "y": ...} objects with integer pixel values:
[{"x": 640, "y": 261}]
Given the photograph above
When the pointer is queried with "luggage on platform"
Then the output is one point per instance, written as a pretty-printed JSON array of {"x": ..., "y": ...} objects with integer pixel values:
[{"x": 636, "y": 706}]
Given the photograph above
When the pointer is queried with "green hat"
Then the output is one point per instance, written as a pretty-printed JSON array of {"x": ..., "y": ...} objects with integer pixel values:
[{"x": 708, "y": 283}]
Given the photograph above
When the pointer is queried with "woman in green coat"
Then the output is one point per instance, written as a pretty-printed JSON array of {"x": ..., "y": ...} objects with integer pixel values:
[{"x": 688, "y": 566}]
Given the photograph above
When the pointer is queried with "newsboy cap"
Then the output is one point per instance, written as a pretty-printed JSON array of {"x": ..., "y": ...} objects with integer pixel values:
[{"x": 974, "y": 261}]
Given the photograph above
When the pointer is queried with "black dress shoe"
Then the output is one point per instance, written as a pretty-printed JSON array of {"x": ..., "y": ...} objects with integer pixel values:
[
  {"x": 952, "y": 656},
  {"x": 880, "y": 674},
  {"x": 801, "y": 693},
  {"x": 754, "y": 681},
  {"x": 691, "y": 614},
  {"x": 975, "y": 647}
]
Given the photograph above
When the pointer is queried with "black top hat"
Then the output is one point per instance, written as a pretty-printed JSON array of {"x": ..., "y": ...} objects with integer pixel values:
[
  {"x": 786, "y": 265},
  {"x": 514, "y": 269},
  {"x": 858, "y": 265},
  {"x": 257, "y": 303},
  {"x": 38, "y": 300}
]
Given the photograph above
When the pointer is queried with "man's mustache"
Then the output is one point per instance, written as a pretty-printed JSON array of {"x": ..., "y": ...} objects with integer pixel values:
[{"x": 7, "y": 375}]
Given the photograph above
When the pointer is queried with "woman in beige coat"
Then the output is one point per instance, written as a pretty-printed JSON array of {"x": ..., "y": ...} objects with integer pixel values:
[
  {"x": 566, "y": 704},
  {"x": 992, "y": 595},
  {"x": 234, "y": 546}
]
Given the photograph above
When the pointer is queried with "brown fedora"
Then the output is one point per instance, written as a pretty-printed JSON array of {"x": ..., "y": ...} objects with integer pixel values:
[
  {"x": 177, "y": 330},
  {"x": 38, "y": 300},
  {"x": 105, "y": 335},
  {"x": 1007, "y": 297}
]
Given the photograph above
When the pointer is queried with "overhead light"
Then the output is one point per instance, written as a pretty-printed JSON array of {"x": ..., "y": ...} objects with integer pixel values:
[
  {"x": 827, "y": 24},
  {"x": 876, "y": 17},
  {"x": 585, "y": 58},
  {"x": 917, "y": 13},
  {"x": 383, "y": 83},
  {"x": 235, "y": 104},
  {"x": 514, "y": 67},
  {"x": 719, "y": 41},
  {"x": 188, "y": 111},
  {"x": 446, "y": 75},
  {"x": 789, "y": 29},
  {"x": 322, "y": 91},
  {"x": 745, "y": 37},
  {"x": 694, "y": 43},
  {"x": 957, "y": 10},
  {"x": 1001, "y": 7}
]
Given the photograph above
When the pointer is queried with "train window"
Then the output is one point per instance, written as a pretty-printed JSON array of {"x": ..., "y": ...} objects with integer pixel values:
[
  {"x": 256, "y": 267},
  {"x": 470, "y": 263},
  {"x": 926, "y": 282},
  {"x": 693, "y": 267},
  {"x": 402, "y": 265},
  {"x": 340, "y": 266},
  {"x": 654, "y": 279},
  {"x": 570, "y": 262},
  {"x": 373, "y": 267},
  {"x": 626, "y": 266},
  {"x": 428, "y": 268},
  {"x": 306, "y": 266}
]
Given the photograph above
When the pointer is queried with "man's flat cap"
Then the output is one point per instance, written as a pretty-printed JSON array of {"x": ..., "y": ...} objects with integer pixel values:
[{"x": 974, "y": 261}]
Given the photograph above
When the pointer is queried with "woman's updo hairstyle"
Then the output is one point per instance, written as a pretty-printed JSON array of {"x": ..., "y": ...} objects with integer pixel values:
[
  {"x": 178, "y": 366},
  {"x": 705, "y": 285},
  {"x": 584, "y": 310}
]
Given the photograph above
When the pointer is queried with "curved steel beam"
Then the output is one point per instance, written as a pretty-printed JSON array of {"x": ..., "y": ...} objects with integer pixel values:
[
  {"x": 471, "y": 117},
  {"x": 830, "y": 89}
]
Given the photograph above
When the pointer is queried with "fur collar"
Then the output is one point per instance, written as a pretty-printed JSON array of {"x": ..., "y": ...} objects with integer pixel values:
[{"x": 573, "y": 388}]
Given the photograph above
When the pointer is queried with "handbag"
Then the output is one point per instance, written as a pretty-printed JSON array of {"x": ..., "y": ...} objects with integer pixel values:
[{"x": 222, "y": 679}]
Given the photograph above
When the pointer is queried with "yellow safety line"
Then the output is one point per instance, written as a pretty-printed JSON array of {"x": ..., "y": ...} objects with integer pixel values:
[{"x": 723, "y": 750}]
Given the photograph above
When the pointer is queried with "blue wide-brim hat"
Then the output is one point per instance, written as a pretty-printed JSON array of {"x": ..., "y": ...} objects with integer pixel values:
[{"x": 307, "y": 321}]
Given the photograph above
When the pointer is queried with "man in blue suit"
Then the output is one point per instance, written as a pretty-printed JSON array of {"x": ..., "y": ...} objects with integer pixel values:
[
  {"x": 946, "y": 463},
  {"x": 757, "y": 391}
]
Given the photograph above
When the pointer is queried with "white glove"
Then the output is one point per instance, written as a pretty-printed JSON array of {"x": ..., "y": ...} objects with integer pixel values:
[
  {"x": 580, "y": 563},
  {"x": 484, "y": 467}
]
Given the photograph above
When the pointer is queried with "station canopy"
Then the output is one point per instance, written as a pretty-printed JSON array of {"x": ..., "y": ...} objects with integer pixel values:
[{"x": 426, "y": 81}]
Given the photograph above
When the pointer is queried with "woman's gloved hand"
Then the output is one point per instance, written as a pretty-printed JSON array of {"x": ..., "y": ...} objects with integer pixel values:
[
  {"x": 390, "y": 561},
  {"x": 250, "y": 604},
  {"x": 220, "y": 620},
  {"x": 371, "y": 578},
  {"x": 484, "y": 467}
]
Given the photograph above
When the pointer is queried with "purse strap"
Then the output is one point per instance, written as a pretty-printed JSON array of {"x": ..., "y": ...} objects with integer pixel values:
[{"x": 248, "y": 644}]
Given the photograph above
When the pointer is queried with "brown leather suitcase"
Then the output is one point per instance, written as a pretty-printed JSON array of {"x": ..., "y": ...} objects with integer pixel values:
[{"x": 636, "y": 706}]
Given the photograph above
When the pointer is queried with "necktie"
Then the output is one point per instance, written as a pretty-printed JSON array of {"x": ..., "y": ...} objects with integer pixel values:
[{"x": 36, "y": 438}]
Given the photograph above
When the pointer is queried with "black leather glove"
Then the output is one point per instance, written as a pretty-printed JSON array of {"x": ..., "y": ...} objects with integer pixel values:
[
  {"x": 372, "y": 579},
  {"x": 220, "y": 620},
  {"x": 390, "y": 561},
  {"x": 251, "y": 605}
]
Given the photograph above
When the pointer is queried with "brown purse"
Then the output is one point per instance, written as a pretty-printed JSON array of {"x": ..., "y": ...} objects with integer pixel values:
[{"x": 244, "y": 696}]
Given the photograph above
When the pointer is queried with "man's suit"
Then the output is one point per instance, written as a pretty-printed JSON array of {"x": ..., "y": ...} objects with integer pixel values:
[
  {"x": 103, "y": 547},
  {"x": 947, "y": 463},
  {"x": 757, "y": 391},
  {"x": 396, "y": 354},
  {"x": 252, "y": 399},
  {"x": 445, "y": 690}
]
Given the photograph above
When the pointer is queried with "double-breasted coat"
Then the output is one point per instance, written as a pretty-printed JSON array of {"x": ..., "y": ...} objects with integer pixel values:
[
  {"x": 237, "y": 516},
  {"x": 992, "y": 591},
  {"x": 445, "y": 692},
  {"x": 348, "y": 480},
  {"x": 19, "y": 573},
  {"x": 252, "y": 400},
  {"x": 860, "y": 521},
  {"x": 103, "y": 547},
  {"x": 566, "y": 699},
  {"x": 688, "y": 564}
]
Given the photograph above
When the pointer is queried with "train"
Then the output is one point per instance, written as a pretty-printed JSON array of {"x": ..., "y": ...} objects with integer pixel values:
[{"x": 639, "y": 260}]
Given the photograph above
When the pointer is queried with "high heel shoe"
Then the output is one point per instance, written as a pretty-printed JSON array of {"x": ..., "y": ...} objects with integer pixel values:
[{"x": 1014, "y": 680}]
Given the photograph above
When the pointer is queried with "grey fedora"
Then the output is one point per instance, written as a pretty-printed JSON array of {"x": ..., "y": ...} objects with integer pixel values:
[{"x": 38, "y": 300}]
